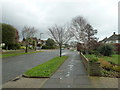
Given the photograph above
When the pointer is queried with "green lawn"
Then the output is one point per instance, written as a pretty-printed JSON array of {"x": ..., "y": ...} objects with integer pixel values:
[
  {"x": 113, "y": 58},
  {"x": 16, "y": 54},
  {"x": 46, "y": 69}
]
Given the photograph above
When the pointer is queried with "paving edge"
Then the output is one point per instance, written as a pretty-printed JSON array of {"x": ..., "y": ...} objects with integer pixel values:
[
  {"x": 26, "y": 76},
  {"x": 16, "y": 78},
  {"x": 19, "y": 77}
]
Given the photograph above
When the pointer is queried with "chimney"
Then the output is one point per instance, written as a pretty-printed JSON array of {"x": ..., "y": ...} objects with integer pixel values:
[{"x": 113, "y": 33}]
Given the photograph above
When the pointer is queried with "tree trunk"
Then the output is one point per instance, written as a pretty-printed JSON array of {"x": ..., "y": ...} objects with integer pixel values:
[
  {"x": 6, "y": 46},
  {"x": 26, "y": 49},
  {"x": 60, "y": 50},
  {"x": 35, "y": 48}
]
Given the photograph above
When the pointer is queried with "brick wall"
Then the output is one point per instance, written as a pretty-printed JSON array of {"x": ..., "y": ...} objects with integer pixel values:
[{"x": 93, "y": 69}]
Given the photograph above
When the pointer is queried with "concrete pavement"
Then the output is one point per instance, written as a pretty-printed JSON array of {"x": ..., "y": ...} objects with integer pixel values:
[
  {"x": 71, "y": 74},
  {"x": 105, "y": 82},
  {"x": 26, "y": 83}
]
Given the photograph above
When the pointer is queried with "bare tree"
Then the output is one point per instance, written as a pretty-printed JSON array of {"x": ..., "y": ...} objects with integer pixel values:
[
  {"x": 78, "y": 29},
  {"x": 89, "y": 35},
  {"x": 83, "y": 31},
  {"x": 61, "y": 35},
  {"x": 27, "y": 33},
  {"x": 78, "y": 25}
]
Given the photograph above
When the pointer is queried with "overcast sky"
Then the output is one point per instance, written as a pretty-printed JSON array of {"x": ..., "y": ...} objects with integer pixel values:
[{"x": 101, "y": 14}]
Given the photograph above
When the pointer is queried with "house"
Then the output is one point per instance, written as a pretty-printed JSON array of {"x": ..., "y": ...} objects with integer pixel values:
[
  {"x": 39, "y": 43},
  {"x": 115, "y": 38},
  {"x": 42, "y": 42}
]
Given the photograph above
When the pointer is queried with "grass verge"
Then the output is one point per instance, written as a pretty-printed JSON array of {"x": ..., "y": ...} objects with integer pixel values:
[
  {"x": 16, "y": 54},
  {"x": 46, "y": 69}
]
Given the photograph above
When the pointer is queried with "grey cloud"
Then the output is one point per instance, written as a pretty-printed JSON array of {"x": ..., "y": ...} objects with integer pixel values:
[{"x": 102, "y": 14}]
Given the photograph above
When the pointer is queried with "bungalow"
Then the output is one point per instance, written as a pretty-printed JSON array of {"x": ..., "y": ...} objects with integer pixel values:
[{"x": 115, "y": 38}]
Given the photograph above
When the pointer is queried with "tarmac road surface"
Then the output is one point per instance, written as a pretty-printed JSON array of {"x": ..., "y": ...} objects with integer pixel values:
[{"x": 17, "y": 65}]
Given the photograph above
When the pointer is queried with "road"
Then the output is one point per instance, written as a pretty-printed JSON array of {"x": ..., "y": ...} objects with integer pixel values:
[{"x": 15, "y": 66}]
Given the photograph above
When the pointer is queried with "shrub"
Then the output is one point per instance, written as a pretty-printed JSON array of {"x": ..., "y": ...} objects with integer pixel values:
[
  {"x": 116, "y": 68},
  {"x": 17, "y": 46},
  {"x": 112, "y": 74},
  {"x": 30, "y": 47},
  {"x": 106, "y": 65},
  {"x": 22, "y": 47},
  {"x": 95, "y": 52},
  {"x": 44, "y": 47},
  {"x": 106, "y": 50},
  {"x": 13, "y": 46},
  {"x": 48, "y": 47},
  {"x": 92, "y": 58},
  {"x": 83, "y": 51},
  {"x": 3, "y": 47}
]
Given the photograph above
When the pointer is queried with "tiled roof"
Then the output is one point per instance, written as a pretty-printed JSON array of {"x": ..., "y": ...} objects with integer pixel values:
[
  {"x": 105, "y": 39},
  {"x": 112, "y": 38}
]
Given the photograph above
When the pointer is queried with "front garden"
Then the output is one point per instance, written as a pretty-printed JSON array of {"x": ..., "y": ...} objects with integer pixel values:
[
  {"x": 109, "y": 65},
  {"x": 108, "y": 59}
]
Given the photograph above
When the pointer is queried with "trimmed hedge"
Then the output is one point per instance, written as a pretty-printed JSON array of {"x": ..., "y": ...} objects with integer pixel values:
[{"x": 12, "y": 46}]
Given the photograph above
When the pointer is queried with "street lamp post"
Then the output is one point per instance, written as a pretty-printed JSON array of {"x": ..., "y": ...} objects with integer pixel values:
[
  {"x": 40, "y": 39},
  {"x": 40, "y": 35}
]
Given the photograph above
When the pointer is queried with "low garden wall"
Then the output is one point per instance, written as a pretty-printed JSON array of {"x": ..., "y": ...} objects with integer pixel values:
[
  {"x": 85, "y": 61},
  {"x": 93, "y": 68}
]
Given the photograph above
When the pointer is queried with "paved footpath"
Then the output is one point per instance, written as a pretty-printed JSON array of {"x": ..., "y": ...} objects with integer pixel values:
[{"x": 71, "y": 74}]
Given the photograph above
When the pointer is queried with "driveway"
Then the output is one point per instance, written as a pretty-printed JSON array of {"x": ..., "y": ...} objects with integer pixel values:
[{"x": 14, "y": 66}]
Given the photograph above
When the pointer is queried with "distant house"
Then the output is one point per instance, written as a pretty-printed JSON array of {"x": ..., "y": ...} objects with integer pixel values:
[
  {"x": 115, "y": 38},
  {"x": 38, "y": 42},
  {"x": 41, "y": 42}
]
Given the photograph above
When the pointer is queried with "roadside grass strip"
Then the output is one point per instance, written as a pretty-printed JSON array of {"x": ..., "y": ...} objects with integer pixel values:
[
  {"x": 16, "y": 54},
  {"x": 46, "y": 69}
]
